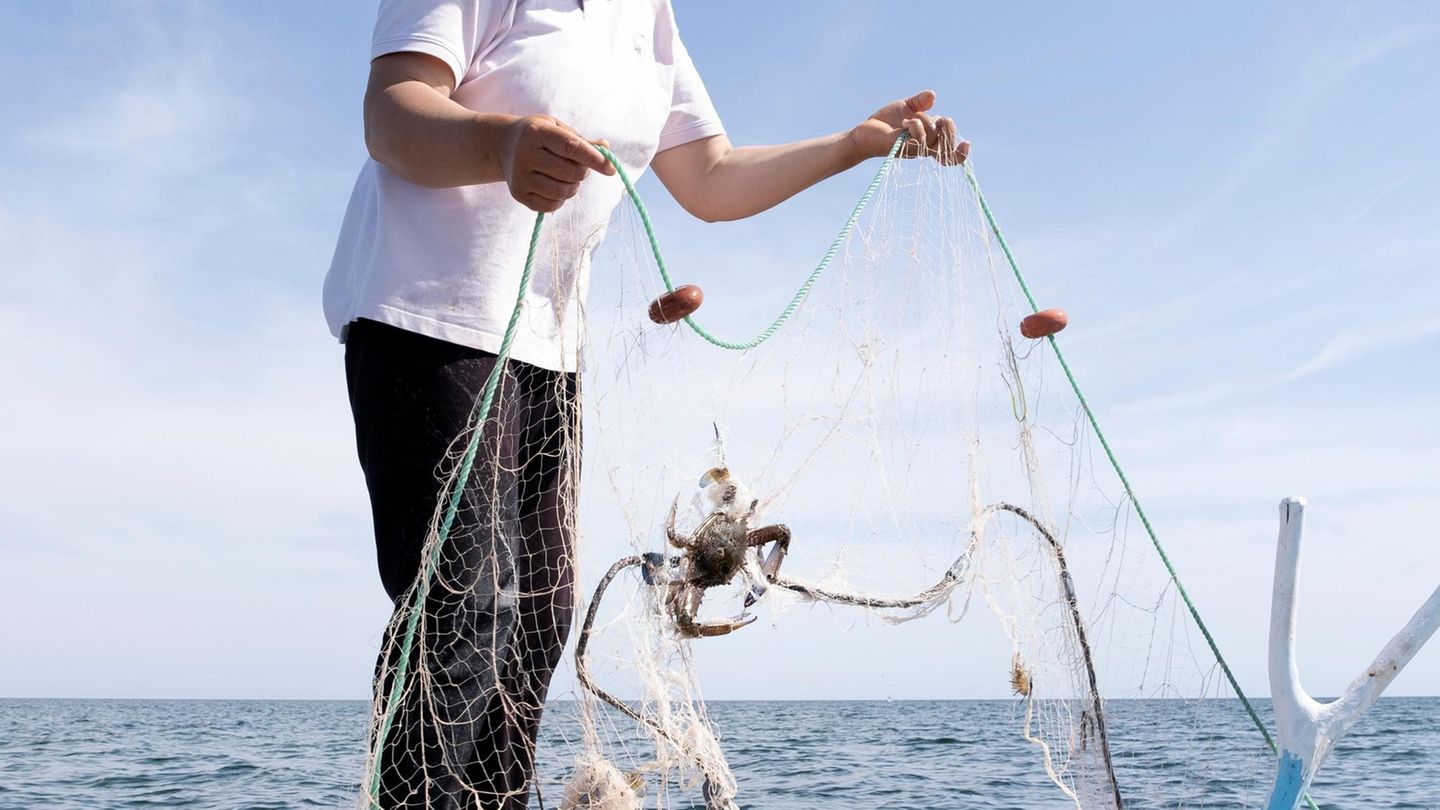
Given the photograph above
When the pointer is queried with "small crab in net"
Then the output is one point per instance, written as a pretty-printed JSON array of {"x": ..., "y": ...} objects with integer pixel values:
[{"x": 721, "y": 547}]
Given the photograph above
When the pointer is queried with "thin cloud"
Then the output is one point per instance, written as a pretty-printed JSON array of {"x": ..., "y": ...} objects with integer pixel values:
[
  {"x": 1353, "y": 344},
  {"x": 1385, "y": 192},
  {"x": 171, "y": 109},
  {"x": 1380, "y": 47},
  {"x": 1298, "y": 95}
]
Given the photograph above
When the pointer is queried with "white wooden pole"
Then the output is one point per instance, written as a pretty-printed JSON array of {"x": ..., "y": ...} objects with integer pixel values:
[{"x": 1305, "y": 729}]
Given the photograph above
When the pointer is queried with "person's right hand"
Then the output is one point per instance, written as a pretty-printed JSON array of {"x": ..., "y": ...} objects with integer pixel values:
[
  {"x": 544, "y": 162},
  {"x": 928, "y": 135}
]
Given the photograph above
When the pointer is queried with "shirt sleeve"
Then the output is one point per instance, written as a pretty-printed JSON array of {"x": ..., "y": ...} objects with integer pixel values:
[
  {"x": 692, "y": 115},
  {"x": 454, "y": 31}
]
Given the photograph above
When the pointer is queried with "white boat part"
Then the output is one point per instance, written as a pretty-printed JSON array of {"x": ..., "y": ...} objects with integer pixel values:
[{"x": 1306, "y": 729}]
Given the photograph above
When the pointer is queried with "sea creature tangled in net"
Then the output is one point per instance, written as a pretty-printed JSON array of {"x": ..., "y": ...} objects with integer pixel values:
[{"x": 896, "y": 449}]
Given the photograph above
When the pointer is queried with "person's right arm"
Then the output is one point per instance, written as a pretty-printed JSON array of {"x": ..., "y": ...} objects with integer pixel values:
[{"x": 420, "y": 133}]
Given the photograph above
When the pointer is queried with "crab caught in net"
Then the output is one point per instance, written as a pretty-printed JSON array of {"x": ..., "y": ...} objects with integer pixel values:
[{"x": 721, "y": 547}]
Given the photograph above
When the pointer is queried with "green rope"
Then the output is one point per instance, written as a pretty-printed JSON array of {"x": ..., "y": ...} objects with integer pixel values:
[
  {"x": 481, "y": 412},
  {"x": 1119, "y": 471},
  {"x": 416, "y": 605},
  {"x": 800, "y": 294}
]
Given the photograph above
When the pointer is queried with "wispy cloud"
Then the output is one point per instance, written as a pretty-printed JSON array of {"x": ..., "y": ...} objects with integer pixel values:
[
  {"x": 1353, "y": 344},
  {"x": 1373, "y": 50},
  {"x": 1336, "y": 58},
  {"x": 174, "y": 417},
  {"x": 1382, "y": 194},
  {"x": 170, "y": 109}
]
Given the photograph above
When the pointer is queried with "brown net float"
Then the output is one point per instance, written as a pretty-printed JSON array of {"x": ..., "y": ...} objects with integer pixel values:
[
  {"x": 1044, "y": 323},
  {"x": 676, "y": 305}
]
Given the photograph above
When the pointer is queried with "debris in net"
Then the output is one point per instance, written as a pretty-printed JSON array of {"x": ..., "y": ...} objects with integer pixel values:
[
  {"x": 676, "y": 305},
  {"x": 596, "y": 784},
  {"x": 1020, "y": 682},
  {"x": 1044, "y": 323}
]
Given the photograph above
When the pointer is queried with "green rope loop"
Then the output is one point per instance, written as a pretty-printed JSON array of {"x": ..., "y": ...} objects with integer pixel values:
[{"x": 800, "y": 294}]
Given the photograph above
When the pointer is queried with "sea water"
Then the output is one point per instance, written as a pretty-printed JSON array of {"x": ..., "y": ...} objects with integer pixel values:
[{"x": 61, "y": 754}]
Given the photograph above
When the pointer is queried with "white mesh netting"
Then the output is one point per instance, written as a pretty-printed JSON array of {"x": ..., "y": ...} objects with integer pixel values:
[{"x": 932, "y": 467}]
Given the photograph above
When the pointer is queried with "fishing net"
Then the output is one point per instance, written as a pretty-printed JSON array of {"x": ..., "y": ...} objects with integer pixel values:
[{"x": 894, "y": 453}]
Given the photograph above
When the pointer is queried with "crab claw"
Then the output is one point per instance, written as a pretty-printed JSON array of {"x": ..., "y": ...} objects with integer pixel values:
[
  {"x": 761, "y": 574},
  {"x": 674, "y": 537},
  {"x": 714, "y": 627},
  {"x": 759, "y": 583}
]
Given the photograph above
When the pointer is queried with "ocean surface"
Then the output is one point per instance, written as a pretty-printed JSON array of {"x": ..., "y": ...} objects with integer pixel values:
[{"x": 61, "y": 754}]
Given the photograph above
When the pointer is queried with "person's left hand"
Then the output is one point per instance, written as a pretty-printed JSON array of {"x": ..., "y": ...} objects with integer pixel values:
[{"x": 929, "y": 136}]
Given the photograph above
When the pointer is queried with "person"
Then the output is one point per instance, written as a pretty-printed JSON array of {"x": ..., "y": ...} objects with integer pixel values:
[{"x": 478, "y": 114}]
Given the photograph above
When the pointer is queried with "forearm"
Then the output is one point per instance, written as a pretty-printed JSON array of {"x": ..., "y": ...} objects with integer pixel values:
[
  {"x": 431, "y": 140},
  {"x": 737, "y": 182},
  {"x": 715, "y": 181}
]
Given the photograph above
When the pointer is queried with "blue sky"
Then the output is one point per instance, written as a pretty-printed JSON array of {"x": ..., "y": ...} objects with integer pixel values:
[{"x": 1239, "y": 204}]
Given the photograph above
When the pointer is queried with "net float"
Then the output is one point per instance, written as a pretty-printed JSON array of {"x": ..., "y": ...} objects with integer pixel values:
[
  {"x": 676, "y": 305},
  {"x": 1044, "y": 323}
]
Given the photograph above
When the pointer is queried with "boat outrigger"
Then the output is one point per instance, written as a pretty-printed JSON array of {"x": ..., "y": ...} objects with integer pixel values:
[{"x": 1307, "y": 730}]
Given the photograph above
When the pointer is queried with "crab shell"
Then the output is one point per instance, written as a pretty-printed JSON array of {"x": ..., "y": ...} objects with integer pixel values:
[{"x": 718, "y": 550}]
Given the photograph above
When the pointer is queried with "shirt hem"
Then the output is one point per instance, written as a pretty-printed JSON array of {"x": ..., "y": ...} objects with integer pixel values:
[
  {"x": 690, "y": 134},
  {"x": 546, "y": 356}
]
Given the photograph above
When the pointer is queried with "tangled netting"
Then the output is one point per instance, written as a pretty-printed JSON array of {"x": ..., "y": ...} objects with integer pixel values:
[{"x": 896, "y": 453}]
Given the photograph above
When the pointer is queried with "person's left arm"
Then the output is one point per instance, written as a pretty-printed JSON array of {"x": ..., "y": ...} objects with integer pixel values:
[{"x": 716, "y": 181}]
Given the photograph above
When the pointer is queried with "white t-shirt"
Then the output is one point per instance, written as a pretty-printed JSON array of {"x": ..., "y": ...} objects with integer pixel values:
[{"x": 447, "y": 262}]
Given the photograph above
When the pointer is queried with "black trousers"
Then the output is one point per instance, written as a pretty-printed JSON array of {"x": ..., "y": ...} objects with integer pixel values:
[{"x": 501, "y": 601}]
